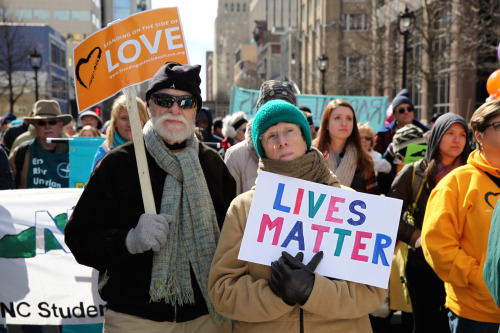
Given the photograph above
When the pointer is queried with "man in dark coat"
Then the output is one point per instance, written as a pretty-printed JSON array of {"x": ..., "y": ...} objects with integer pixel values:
[
  {"x": 204, "y": 124},
  {"x": 404, "y": 114},
  {"x": 153, "y": 268}
]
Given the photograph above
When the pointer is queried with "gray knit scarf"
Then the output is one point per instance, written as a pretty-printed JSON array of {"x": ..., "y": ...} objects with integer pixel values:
[
  {"x": 347, "y": 167},
  {"x": 194, "y": 231},
  {"x": 310, "y": 167}
]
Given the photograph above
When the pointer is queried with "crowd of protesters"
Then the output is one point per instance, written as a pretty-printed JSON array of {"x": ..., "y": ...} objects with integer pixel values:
[{"x": 178, "y": 270}]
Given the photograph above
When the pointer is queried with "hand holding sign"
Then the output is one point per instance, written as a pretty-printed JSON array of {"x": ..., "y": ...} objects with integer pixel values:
[{"x": 291, "y": 279}]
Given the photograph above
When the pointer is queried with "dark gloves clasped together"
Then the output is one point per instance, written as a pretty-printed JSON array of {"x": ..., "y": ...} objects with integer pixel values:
[{"x": 291, "y": 279}]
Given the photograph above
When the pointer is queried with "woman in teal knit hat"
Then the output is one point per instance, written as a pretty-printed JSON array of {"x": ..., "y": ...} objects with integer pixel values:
[{"x": 254, "y": 296}]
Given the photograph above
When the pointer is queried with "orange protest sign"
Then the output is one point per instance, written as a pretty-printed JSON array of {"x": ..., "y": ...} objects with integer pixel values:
[{"x": 127, "y": 53}]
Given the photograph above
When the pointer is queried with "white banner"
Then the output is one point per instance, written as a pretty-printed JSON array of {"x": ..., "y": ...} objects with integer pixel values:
[
  {"x": 356, "y": 231},
  {"x": 40, "y": 281}
]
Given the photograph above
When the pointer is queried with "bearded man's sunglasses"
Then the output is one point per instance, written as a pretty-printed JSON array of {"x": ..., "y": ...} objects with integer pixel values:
[{"x": 167, "y": 101}]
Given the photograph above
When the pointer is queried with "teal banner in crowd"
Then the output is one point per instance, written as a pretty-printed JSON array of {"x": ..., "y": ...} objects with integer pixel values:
[
  {"x": 81, "y": 159},
  {"x": 369, "y": 110}
]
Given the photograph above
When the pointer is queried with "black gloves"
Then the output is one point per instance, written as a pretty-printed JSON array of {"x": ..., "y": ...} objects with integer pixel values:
[{"x": 291, "y": 279}]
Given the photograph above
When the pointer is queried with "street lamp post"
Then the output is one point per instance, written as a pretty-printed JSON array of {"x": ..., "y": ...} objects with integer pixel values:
[
  {"x": 294, "y": 60},
  {"x": 322, "y": 64},
  {"x": 36, "y": 63},
  {"x": 406, "y": 23}
]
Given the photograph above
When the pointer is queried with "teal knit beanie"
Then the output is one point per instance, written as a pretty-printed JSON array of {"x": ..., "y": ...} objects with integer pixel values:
[{"x": 278, "y": 111}]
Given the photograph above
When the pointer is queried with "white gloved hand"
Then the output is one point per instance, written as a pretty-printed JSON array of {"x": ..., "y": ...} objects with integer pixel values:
[
  {"x": 149, "y": 234},
  {"x": 418, "y": 243}
]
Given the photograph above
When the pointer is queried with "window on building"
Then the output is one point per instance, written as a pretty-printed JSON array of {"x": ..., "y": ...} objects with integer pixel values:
[
  {"x": 57, "y": 55},
  {"x": 354, "y": 22},
  {"x": 24, "y": 14},
  {"x": 58, "y": 87},
  {"x": 225, "y": 8},
  {"x": 442, "y": 105},
  {"x": 6, "y": 12},
  {"x": 244, "y": 7},
  {"x": 356, "y": 66},
  {"x": 121, "y": 9},
  {"x": 238, "y": 7},
  {"x": 41, "y": 14},
  {"x": 81, "y": 15},
  {"x": 62, "y": 15},
  {"x": 62, "y": 57},
  {"x": 232, "y": 7},
  {"x": 54, "y": 54}
]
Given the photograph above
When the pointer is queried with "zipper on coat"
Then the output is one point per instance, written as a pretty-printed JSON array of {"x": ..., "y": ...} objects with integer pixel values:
[{"x": 301, "y": 320}]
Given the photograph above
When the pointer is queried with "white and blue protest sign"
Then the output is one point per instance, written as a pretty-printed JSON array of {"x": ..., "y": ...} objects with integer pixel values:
[
  {"x": 40, "y": 281},
  {"x": 369, "y": 110},
  {"x": 355, "y": 231}
]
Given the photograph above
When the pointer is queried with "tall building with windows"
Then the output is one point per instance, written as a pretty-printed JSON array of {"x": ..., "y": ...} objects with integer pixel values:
[
  {"x": 448, "y": 61},
  {"x": 231, "y": 30},
  {"x": 75, "y": 20},
  {"x": 18, "y": 43},
  {"x": 339, "y": 30},
  {"x": 271, "y": 21},
  {"x": 113, "y": 10}
]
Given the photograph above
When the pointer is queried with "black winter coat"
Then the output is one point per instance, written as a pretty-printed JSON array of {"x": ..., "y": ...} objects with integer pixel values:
[{"x": 110, "y": 206}]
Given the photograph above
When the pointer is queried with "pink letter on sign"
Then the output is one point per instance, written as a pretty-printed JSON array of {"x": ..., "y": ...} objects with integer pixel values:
[
  {"x": 298, "y": 201},
  {"x": 319, "y": 236},
  {"x": 332, "y": 208},
  {"x": 360, "y": 246},
  {"x": 266, "y": 221}
]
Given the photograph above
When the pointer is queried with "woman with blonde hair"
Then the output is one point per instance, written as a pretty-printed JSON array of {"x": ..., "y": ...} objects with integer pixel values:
[
  {"x": 367, "y": 135},
  {"x": 89, "y": 131},
  {"x": 339, "y": 141},
  {"x": 119, "y": 130}
]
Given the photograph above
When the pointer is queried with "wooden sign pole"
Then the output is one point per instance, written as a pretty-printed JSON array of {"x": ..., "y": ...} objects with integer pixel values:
[{"x": 140, "y": 151}]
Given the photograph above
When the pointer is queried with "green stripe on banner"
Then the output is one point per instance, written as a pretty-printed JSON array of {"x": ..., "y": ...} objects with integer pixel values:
[
  {"x": 369, "y": 110},
  {"x": 81, "y": 158}
]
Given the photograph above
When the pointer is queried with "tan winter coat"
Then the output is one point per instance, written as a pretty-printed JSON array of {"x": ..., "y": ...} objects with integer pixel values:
[{"x": 239, "y": 290}]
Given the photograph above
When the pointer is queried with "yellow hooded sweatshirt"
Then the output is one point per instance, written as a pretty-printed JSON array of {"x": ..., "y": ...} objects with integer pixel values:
[{"x": 455, "y": 236}]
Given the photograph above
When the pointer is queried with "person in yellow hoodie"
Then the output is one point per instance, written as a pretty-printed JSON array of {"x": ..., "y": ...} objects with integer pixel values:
[{"x": 457, "y": 223}]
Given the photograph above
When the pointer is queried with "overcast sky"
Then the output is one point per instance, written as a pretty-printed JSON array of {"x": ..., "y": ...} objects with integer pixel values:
[{"x": 198, "y": 19}]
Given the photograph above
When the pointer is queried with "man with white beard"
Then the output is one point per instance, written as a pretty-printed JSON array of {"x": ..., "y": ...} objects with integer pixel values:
[{"x": 153, "y": 268}]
